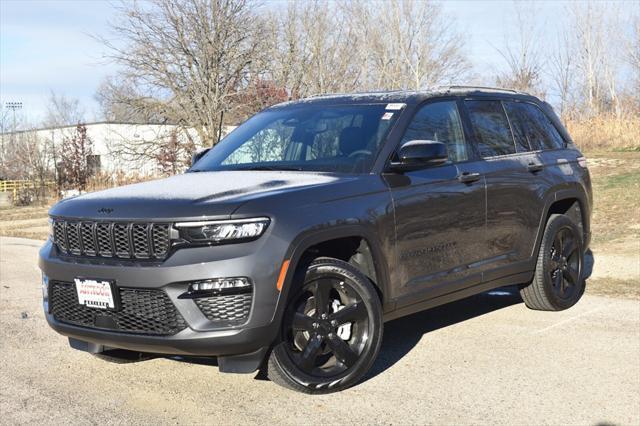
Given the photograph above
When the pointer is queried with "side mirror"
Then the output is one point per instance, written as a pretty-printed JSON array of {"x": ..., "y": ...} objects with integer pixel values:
[
  {"x": 419, "y": 154},
  {"x": 198, "y": 155}
]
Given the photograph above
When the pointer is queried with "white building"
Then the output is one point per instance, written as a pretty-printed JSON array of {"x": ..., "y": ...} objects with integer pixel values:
[{"x": 117, "y": 147}]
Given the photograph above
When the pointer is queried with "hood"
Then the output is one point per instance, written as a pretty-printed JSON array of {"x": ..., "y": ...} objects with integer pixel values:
[{"x": 188, "y": 196}]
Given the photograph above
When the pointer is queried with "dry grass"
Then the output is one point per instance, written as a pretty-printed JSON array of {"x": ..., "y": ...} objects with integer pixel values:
[
  {"x": 616, "y": 209},
  {"x": 606, "y": 132}
]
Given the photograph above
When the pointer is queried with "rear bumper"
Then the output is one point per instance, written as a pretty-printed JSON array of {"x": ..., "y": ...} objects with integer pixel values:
[{"x": 201, "y": 337}]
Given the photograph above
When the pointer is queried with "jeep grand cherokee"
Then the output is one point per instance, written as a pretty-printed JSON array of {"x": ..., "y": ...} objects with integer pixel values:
[{"x": 288, "y": 244}]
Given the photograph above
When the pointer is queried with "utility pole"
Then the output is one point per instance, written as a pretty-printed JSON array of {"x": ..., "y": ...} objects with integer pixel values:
[{"x": 13, "y": 106}]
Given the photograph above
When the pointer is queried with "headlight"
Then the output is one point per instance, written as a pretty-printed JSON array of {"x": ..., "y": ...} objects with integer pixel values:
[{"x": 223, "y": 230}]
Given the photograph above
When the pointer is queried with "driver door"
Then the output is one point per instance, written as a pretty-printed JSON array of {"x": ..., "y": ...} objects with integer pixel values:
[{"x": 439, "y": 211}]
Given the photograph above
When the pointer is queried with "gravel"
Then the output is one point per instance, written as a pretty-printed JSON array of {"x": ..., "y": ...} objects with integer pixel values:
[{"x": 486, "y": 359}]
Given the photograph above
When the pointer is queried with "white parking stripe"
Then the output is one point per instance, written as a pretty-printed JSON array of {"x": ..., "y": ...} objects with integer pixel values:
[{"x": 599, "y": 308}]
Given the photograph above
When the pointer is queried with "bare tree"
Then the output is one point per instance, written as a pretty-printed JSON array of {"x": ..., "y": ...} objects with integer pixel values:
[
  {"x": 312, "y": 50},
  {"x": 119, "y": 101},
  {"x": 599, "y": 54},
  {"x": 326, "y": 47},
  {"x": 632, "y": 54},
  {"x": 522, "y": 53},
  {"x": 562, "y": 71},
  {"x": 405, "y": 44},
  {"x": 187, "y": 59},
  {"x": 63, "y": 111}
]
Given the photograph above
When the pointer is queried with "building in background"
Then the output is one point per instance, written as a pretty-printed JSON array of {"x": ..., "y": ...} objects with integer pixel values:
[{"x": 116, "y": 148}]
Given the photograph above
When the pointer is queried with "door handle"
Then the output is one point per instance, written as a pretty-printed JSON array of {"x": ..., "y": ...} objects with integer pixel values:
[
  {"x": 467, "y": 177},
  {"x": 535, "y": 167}
]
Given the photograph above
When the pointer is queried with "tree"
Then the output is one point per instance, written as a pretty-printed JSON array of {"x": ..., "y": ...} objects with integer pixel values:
[
  {"x": 75, "y": 170},
  {"x": 632, "y": 55},
  {"x": 63, "y": 111},
  {"x": 174, "y": 157},
  {"x": 327, "y": 47},
  {"x": 186, "y": 59},
  {"x": 522, "y": 53},
  {"x": 599, "y": 55},
  {"x": 562, "y": 71},
  {"x": 406, "y": 44}
]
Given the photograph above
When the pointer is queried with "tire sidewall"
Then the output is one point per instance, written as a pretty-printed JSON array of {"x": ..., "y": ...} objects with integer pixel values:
[
  {"x": 554, "y": 225},
  {"x": 369, "y": 353}
]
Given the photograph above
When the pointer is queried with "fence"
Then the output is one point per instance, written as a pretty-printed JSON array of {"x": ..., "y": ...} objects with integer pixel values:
[{"x": 16, "y": 187}]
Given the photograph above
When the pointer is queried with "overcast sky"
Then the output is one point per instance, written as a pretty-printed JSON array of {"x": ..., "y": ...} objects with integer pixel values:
[{"x": 47, "y": 45}]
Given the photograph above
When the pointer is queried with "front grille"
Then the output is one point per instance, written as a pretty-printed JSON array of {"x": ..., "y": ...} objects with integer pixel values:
[
  {"x": 112, "y": 239},
  {"x": 230, "y": 308},
  {"x": 142, "y": 311}
]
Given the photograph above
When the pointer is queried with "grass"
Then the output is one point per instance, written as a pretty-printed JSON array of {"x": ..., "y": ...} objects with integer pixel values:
[
  {"x": 616, "y": 199},
  {"x": 606, "y": 132}
]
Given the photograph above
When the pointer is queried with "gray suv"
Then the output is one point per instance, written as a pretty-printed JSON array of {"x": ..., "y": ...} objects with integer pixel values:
[{"x": 288, "y": 245}]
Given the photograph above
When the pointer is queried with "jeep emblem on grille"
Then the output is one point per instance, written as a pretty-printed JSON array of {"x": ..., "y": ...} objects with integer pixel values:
[{"x": 105, "y": 210}]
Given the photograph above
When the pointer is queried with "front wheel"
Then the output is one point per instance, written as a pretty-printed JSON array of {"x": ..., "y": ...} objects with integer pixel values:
[
  {"x": 558, "y": 282},
  {"x": 331, "y": 332}
]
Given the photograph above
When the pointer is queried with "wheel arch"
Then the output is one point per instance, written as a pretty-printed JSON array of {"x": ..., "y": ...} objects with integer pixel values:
[
  {"x": 357, "y": 239},
  {"x": 572, "y": 201}
]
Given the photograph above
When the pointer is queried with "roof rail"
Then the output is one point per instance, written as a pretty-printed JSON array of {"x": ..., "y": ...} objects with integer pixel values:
[
  {"x": 495, "y": 89},
  {"x": 361, "y": 93}
]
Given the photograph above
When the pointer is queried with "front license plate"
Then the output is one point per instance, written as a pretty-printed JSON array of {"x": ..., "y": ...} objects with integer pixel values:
[{"x": 94, "y": 293}]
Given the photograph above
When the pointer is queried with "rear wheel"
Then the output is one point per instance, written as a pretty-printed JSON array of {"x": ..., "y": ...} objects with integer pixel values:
[
  {"x": 558, "y": 282},
  {"x": 331, "y": 332}
]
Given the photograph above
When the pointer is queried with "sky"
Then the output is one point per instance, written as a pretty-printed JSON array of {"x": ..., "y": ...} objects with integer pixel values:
[{"x": 47, "y": 45}]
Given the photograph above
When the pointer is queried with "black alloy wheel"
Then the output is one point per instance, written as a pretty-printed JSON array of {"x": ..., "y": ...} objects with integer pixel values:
[
  {"x": 331, "y": 331},
  {"x": 557, "y": 281},
  {"x": 565, "y": 264}
]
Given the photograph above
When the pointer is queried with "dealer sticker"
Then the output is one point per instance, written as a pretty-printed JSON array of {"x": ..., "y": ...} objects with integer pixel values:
[
  {"x": 395, "y": 107},
  {"x": 94, "y": 293}
]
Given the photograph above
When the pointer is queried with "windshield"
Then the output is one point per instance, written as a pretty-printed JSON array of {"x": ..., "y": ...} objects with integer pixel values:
[{"x": 306, "y": 137}]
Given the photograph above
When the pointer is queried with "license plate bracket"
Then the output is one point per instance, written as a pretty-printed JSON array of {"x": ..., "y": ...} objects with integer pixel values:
[{"x": 97, "y": 293}]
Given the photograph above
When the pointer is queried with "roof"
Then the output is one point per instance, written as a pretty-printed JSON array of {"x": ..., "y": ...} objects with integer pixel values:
[{"x": 406, "y": 96}]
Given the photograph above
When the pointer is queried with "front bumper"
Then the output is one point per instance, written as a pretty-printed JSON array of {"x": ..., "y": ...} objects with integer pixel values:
[{"x": 201, "y": 337}]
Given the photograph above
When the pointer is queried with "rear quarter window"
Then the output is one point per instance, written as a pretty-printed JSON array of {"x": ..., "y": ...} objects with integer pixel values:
[{"x": 538, "y": 129}]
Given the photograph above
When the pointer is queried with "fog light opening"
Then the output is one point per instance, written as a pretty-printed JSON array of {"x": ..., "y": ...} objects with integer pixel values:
[{"x": 218, "y": 286}]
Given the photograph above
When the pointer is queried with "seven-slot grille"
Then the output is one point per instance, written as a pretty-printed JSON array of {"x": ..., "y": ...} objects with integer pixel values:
[{"x": 112, "y": 239}]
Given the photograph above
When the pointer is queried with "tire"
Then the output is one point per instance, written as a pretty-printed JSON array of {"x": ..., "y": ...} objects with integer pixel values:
[
  {"x": 331, "y": 331},
  {"x": 558, "y": 281}
]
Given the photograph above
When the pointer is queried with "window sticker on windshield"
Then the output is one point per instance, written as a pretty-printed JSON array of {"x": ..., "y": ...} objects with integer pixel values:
[
  {"x": 395, "y": 107},
  {"x": 387, "y": 116}
]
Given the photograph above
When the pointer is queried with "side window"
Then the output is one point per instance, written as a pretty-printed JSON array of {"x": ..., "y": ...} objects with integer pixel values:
[
  {"x": 491, "y": 128},
  {"x": 440, "y": 122},
  {"x": 540, "y": 131},
  {"x": 518, "y": 125}
]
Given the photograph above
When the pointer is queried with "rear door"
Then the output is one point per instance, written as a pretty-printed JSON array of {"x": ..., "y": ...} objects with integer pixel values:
[
  {"x": 512, "y": 173},
  {"x": 440, "y": 220}
]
